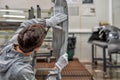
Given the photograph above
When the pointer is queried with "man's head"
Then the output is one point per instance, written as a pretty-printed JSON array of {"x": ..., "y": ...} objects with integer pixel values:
[{"x": 31, "y": 37}]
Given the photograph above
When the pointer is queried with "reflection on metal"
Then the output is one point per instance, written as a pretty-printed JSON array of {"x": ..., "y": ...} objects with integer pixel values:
[{"x": 114, "y": 40}]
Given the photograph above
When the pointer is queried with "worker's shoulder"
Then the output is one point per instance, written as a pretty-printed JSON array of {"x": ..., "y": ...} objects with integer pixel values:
[
  {"x": 20, "y": 68},
  {"x": 22, "y": 71}
]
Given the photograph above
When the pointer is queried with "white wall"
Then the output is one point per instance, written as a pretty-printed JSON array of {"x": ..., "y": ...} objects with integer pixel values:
[
  {"x": 83, "y": 48},
  {"x": 116, "y": 13}
]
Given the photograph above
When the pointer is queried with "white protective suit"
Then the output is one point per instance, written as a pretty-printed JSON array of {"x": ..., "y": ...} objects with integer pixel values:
[{"x": 16, "y": 66}]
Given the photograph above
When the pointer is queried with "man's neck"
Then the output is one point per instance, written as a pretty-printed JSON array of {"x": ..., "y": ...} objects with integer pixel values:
[{"x": 19, "y": 50}]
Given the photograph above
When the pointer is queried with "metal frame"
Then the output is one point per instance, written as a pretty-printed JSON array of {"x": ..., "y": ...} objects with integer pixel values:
[
  {"x": 107, "y": 62},
  {"x": 103, "y": 45}
]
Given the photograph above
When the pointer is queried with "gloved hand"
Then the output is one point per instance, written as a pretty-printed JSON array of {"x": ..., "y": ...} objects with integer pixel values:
[
  {"x": 58, "y": 27},
  {"x": 54, "y": 75},
  {"x": 56, "y": 19},
  {"x": 62, "y": 61}
]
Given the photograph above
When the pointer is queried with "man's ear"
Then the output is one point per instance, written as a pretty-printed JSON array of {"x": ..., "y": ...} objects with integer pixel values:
[{"x": 36, "y": 49}]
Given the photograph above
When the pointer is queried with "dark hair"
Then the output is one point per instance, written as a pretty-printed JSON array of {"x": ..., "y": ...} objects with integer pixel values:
[{"x": 31, "y": 37}]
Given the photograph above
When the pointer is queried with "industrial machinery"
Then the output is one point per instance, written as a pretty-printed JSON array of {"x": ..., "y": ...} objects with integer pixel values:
[
  {"x": 60, "y": 37},
  {"x": 110, "y": 35}
]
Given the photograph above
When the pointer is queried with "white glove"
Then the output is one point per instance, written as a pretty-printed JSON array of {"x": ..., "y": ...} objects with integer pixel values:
[
  {"x": 62, "y": 61},
  {"x": 56, "y": 19},
  {"x": 58, "y": 27},
  {"x": 54, "y": 75}
]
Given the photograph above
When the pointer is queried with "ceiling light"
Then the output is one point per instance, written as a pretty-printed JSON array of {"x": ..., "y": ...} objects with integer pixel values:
[
  {"x": 14, "y": 16},
  {"x": 15, "y": 11},
  {"x": 14, "y": 20}
]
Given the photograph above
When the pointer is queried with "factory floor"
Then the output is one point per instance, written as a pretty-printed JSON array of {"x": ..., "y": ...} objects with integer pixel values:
[
  {"x": 77, "y": 70},
  {"x": 96, "y": 71},
  {"x": 73, "y": 71}
]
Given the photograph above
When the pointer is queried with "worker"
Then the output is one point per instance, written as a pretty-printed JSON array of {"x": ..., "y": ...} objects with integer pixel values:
[{"x": 15, "y": 55}]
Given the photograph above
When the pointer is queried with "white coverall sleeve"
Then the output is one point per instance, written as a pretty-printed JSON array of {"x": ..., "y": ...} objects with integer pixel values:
[
  {"x": 61, "y": 63},
  {"x": 56, "y": 19},
  {"x": 25, "y": 74}
]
